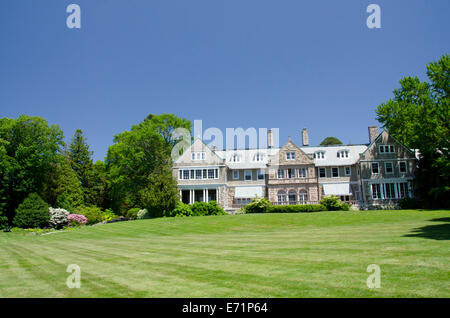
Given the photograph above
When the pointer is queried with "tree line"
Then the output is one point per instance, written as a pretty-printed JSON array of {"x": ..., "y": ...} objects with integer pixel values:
[{"x": 136, "y": 173}]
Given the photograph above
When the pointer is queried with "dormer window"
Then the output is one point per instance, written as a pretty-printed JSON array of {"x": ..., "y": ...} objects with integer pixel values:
[
  {"x": 342, "y": 154},
  {"x": 290, "y": 155},
  {"x": 198, "y": 156},
  {"x": 386, "y": 148},
  {"x": 258, "y": 157},
  {"x": 235, "y": 158},
  {"x": 319, "y": 155}
]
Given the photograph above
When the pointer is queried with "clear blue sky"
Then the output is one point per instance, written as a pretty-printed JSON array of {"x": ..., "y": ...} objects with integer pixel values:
[{"x": 235, "y": 63}]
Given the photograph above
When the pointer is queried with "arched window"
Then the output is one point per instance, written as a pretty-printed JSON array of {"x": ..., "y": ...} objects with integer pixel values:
[
  {"x": 281, "y": 197},
  {"x": 303, "y": 196},
  {"x": 292, "y": 197}
]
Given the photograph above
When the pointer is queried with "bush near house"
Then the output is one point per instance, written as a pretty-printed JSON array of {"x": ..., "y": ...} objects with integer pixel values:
[
  {"x": 258, "y": 205},
  {"x": 333, "y": 203},
  {"x": 204, "y": 208},
  {"x": 32, "y": 212},
  {"x": 296, "y": 208},
  {"x": 180, "y": 210}
]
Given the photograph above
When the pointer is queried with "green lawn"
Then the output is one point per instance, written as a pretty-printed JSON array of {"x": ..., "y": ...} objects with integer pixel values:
[{"x": 321, "y": 254}]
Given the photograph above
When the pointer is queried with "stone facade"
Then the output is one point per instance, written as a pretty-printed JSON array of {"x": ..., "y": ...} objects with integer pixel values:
[{"x": 298, "y": 175}]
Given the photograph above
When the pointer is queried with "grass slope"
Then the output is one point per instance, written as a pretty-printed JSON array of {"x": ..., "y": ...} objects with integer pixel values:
[{"x": 273, "y": 255}]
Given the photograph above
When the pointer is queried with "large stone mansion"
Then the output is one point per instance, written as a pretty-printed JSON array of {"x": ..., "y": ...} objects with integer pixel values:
[{"x": 380, "y": 172}]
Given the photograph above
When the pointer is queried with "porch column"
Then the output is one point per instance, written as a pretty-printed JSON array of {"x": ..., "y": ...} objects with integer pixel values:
[
  {"x": 206, "y": 197},
  {"x": 191, "y": 196}
]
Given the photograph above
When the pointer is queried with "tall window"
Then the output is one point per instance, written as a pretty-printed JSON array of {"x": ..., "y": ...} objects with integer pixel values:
[
  {"x": 322, "y": 173},
  {"x": 186, "y": 174},
  {"x": 302, "y": 172},
  {"x": 335, "y": 172},
  {"x": 210, "y": 173},
  {"x": 390, "y": 191},
  {"x": 280, "y": 174},
  {"x": 248, "y": 175},
  {"x": 281, "y": 196},
  {"x": 292, "y": 197},
  {"x": 388, "y": 168},
  {"x": 303, "y": 197},
  {"x": 347, "y": 171},
  {"x": 376, "y": 193},
  {"x": 402, "y": 167},
  {"x": 291, "y": 173},
  {"x": 375, "y": 168},
  {"x": 198, "y": 174},
  {"x": 235, "y": 174},
  {"x": 260, "y": 174}
]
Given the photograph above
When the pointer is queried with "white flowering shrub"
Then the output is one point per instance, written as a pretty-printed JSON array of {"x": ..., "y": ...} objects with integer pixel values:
[
  {"x": 58, "y": 218},
  {"x": 143, "y": 214}
]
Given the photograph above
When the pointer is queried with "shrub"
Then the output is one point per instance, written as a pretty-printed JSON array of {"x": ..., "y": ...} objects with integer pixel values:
[
  {"x": 58, "y": 218},
  {"x": 143, "y": 214},
  {"x": 215, "y": 209},
  {"x": 93, "y": 214},
  {"x": 132, "y": 213},
  {"x": 199, "y": 208},
  {"x": 409, "y": 203},
  {"x": 258, "y": 205},
  {"x": 180, "y": 210},
  {"x": 296, "y": 208},
  {"x": 77, "y": 219},
  {"x": 108, "y": 215},
  {"x": 32, "y": 212},
  {"x": 333, "y": 203}
]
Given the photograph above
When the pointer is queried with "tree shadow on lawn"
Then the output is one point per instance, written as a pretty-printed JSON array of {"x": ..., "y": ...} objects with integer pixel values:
[{"x": 435, "y": 232}]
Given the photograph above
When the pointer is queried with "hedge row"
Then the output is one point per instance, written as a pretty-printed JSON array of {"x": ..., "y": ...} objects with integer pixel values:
[{"x": 296, "y": 208}]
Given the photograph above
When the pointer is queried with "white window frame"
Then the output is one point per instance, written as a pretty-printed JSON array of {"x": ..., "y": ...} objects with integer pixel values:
[
  {"x": 319, "y": 155},
  {"x": 245, "y": 175},
  {"x": 349, "y": 171},
  {"x": 383, "y": 147},
  {"x": 260, "y": 173},
  {"x": 234, "y": 176},
  {"x": 392, "y": 167},
  {"x": 338, "y": 174},
  {"x": 406, "y": 167},
  {"x": 304, "y": 174},
  {"x": 371, "y": 168},
  {"x": 282, "y": 174},
  {"x": 325, "y": 169}
]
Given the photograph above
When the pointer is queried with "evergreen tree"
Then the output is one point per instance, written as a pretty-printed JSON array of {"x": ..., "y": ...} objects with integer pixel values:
[{"x": 81, "y": 161}]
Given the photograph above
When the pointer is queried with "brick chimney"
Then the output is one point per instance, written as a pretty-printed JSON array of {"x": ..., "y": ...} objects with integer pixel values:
[
  {"x": 373, "y": 133},
  {"x": 305, "y": 138},
  {"x": 270, "y": 139}
]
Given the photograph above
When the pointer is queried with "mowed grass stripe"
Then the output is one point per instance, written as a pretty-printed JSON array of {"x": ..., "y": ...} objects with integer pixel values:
[{"x": 286, "y": 255}]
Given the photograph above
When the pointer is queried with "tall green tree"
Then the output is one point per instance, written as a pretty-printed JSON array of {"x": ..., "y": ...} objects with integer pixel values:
[
  {"x": 330, "y": 141},
  {"x": 63, "y": 185},
  {"x": 81, "y": 161},
  {"x": 137, "y": 156},
  {"x": 418, "y": 116},
  {"x": 29, "y": 149}
]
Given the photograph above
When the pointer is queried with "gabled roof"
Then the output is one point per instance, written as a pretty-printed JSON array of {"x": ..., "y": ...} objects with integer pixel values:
[
  {"x": 247, "y": 157},
  {"x": 384, "y": 131}
]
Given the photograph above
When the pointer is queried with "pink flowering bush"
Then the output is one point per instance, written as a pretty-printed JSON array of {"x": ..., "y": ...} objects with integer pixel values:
[{"x": 77, "y": 219}]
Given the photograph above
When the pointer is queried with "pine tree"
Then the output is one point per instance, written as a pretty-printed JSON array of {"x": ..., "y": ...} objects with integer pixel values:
[{"x": 81, "y": 161}]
